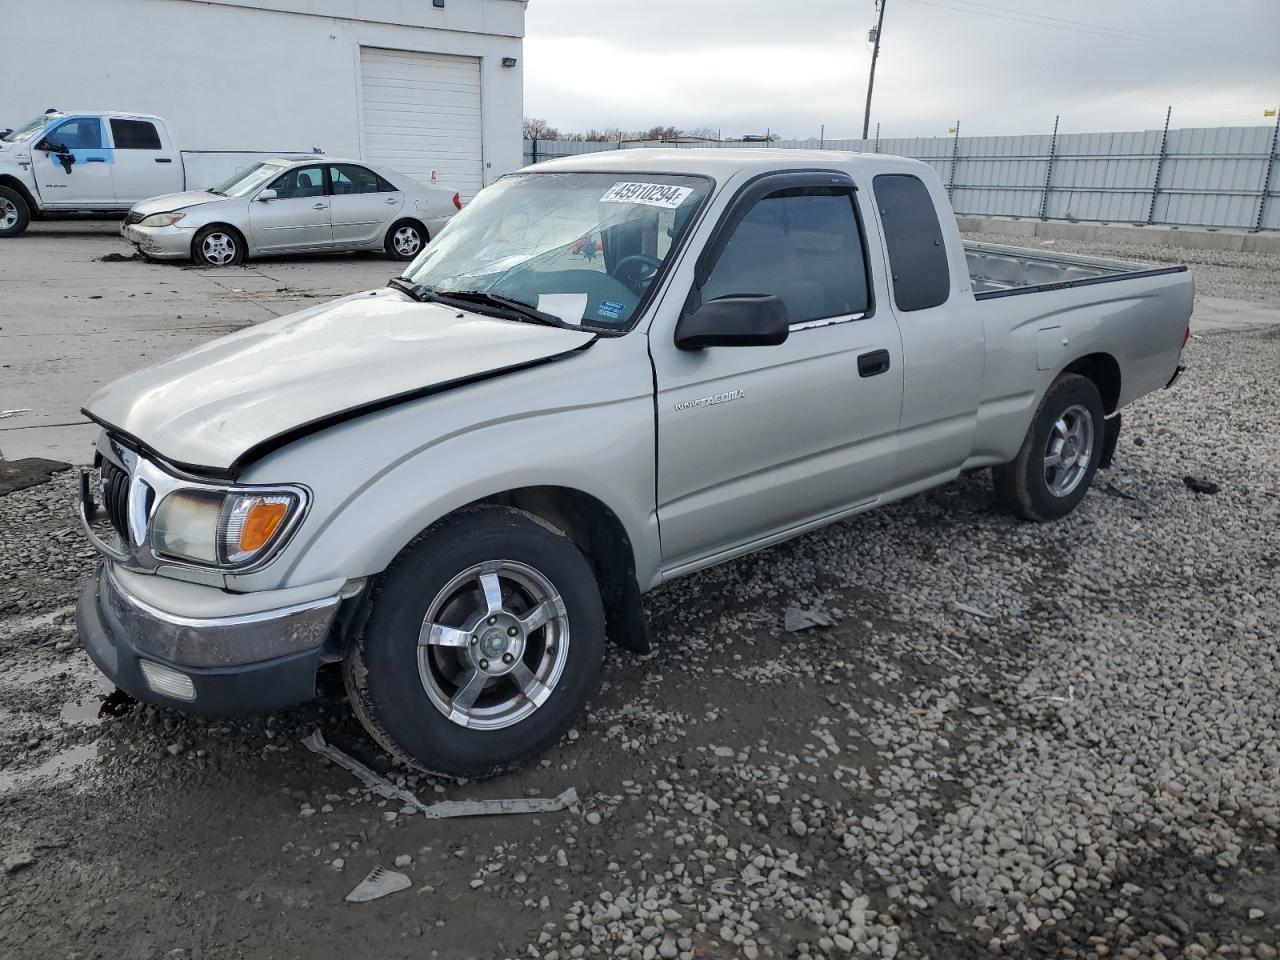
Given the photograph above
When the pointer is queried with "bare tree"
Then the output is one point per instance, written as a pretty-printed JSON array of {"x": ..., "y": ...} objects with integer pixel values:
[
  {"x": 703, "y": 133},
  {"x": 536, "y": 128},
  {"x": 660, "y": 133}
]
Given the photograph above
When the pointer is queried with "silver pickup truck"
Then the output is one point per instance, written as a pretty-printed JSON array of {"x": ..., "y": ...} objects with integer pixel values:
[{"x": 606, "y": 372}]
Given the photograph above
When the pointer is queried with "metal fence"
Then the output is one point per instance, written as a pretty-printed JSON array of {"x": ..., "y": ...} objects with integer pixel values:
[{"x": 1210, "y": 177}]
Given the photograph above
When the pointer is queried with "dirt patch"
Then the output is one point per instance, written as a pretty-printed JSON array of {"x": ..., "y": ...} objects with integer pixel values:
[{"x": 20, "y": 474}]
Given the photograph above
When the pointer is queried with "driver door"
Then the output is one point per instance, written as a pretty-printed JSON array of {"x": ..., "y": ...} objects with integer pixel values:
[
  {"x": 73, "y": 165},
  {"x": 754, "y": 442},
  {"x": 298, "y": 217}
]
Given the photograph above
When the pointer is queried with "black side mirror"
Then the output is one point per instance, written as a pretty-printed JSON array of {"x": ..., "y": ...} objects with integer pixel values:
[
  {"x": 737, "y": 320},
  {"x": 48, "y": 147}
]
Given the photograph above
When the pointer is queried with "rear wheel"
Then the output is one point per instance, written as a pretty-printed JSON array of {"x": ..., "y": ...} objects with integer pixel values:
[
  {"x": 15, "y": 215},
  {"x": 217, "y": 246},
  {"x": 1060, "y": 454},
  {"x": 405, "y": 240},
  {"x": 484, "y": 642}
]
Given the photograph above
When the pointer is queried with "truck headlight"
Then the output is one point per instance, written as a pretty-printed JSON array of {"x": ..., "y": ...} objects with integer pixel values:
[
  {"x": 161, "y": 219},
  {"x": 223, "y": 529}
]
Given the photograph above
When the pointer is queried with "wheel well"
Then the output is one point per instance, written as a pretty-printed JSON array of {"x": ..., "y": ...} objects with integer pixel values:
[
  {"x": 13, "y": 183},
  {"x": 1103, "y": 370},
  {"x": 600, "y": 535},
  {"x": 244, "y": 244}
]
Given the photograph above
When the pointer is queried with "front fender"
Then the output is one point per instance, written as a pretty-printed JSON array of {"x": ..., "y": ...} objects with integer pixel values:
[{"x": 380, "y": 480}]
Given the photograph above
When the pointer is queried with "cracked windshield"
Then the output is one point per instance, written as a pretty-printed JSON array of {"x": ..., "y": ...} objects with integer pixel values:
[{"x": 583, "y": 247}]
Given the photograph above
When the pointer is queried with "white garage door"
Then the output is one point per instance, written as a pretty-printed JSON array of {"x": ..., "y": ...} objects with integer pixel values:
[{"x": 422, "y": 113}]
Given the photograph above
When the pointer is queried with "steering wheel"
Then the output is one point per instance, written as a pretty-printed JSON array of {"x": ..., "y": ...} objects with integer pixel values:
[{"x": 643, "y": 266}]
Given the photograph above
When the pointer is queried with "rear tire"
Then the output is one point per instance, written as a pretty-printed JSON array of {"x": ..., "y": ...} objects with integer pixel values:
[
  {"x": 405, "y": 240},
  {"x": 218, "y": 246},
  {"x": 1060, "y": 454},
  {"x": 484, "y": 642},
  {"x": 15, "y": 214}
]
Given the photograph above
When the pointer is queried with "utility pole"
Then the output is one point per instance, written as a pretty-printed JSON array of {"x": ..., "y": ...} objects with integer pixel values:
[{"x": 871, "y": 80}]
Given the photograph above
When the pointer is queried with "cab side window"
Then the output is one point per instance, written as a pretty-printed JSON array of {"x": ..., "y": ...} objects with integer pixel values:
[
  {"x": 300, "y": 182},
  {"x": 78, "y": 133},
  {"x": 803, "y": 246}
]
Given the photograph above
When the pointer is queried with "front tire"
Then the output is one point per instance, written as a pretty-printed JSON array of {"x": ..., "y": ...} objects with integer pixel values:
[
  {"x": 217, "y": 246},
  {"x": 1060, "y": 454},
  {"x": 15, "y": 215},
  {"x": 484, "y": 642},
  {"x": 405, "y": 240}
]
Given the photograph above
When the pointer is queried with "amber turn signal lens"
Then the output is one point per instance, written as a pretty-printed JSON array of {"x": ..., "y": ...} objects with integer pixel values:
[{"x": 262, "y": 522}]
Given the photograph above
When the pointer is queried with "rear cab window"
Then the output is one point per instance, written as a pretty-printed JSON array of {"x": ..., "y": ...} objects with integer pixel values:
[
  {"x": 913, "y": 238},
  {"x": 134, "y": 135}
]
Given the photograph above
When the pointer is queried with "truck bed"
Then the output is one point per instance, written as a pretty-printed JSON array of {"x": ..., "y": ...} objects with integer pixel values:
[{"x": 1003, "y": 271}]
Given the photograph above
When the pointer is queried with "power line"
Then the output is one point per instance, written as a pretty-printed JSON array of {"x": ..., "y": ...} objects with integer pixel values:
[{"x": 1076, "y": 26}]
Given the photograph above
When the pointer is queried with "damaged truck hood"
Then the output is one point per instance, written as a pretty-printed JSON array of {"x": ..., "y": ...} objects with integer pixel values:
[{"x": 217, "y": 407}]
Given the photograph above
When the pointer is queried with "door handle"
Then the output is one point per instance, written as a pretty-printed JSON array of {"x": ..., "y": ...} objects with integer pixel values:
[
  {"x": 320, "y": 206},
  {"x": 873, "y": 363},
  {"x": 164, "y": 159},
  {"x": 95, "y": 159},
  {"x": 391, "y": 200}
]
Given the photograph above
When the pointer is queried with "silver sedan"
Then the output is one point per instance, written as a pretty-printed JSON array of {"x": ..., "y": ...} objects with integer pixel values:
[{"x": 318, "y": 205}]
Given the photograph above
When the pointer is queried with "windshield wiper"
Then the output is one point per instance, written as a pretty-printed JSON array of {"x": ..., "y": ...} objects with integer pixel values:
[
  {"x": 507, "y": 308},
  {"x": 510, "y": 308},
  {"x": 416, "y": 290}
]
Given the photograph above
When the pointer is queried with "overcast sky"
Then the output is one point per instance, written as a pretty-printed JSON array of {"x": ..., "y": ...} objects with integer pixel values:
[{"x": 742, "y": 66}]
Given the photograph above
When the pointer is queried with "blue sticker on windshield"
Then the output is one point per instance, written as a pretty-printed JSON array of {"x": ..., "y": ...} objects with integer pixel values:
[{"x": 610, "y": 310}]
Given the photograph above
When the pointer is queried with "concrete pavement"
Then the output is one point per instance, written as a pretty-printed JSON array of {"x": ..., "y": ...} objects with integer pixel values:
[{"x": 71, "y": 321}]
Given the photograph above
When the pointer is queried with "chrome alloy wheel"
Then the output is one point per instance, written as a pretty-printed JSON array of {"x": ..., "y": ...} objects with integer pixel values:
[
  {"x": 8, "y": 214},
  {"x": 219, "y": 249},
  {"x": 493, "y": 645},
  {"x": 407, "y": 241},
  {"x": 1068, "y": 450}
]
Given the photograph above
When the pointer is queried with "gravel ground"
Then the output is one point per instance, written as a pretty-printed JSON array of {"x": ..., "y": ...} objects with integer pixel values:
[{"x": 1022, "y": 740}]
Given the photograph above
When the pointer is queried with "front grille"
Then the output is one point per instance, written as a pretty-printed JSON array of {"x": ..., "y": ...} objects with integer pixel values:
[
  {"x": 134, "y": 217},
  {"x": 115, "y": 497}
]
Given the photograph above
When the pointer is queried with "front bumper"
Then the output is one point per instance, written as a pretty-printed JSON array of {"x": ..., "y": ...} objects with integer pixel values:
[
  {"x": 251, "y": 663},
  {"x": 162, "y": 243}
]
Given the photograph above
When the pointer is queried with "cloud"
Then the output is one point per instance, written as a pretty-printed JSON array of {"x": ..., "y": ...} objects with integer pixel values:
[{"x": 794, "y": 67}]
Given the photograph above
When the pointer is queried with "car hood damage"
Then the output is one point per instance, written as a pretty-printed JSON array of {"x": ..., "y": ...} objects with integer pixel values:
[
  {"x": 220, "y": 406},
  {"x": 170, "y": 202}
]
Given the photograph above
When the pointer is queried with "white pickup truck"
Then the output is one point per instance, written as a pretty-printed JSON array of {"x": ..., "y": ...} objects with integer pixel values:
[
  {"x": 605, "y": 372},
  {"x": 95, "y": 162}
]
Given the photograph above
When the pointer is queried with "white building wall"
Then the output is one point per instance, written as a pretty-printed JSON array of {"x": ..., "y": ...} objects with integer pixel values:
[{"x": 253, "y": 74}]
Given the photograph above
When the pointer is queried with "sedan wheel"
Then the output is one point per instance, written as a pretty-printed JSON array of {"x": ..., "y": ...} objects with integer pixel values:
[
  {"x": 217, "y": 246},
  {"x": 404, "y": 240}
]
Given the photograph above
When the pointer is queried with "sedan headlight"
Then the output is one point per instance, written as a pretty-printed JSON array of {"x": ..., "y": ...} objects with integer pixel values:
[
  {"x": 161, "y": 219},
  {"x": 223, "y": 529}
]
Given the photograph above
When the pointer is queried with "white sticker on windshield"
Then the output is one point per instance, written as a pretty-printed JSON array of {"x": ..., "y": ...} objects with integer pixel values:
[
  {"x": 569, "y": 307},
  {"x": 650, "y": 194}
]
